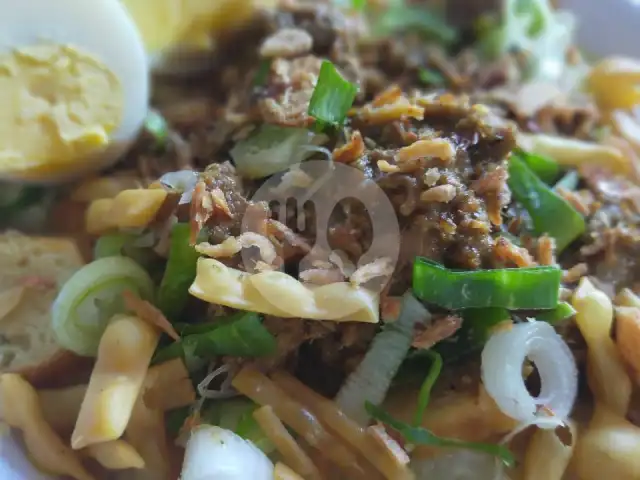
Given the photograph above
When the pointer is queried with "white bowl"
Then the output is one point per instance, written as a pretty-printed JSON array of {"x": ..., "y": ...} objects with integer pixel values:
[
  {"x": 605, "y": 27},
  {"x": 14, "y": 465}
]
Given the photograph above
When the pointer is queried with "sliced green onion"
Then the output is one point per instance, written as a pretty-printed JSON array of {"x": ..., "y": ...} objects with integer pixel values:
[
  {"x": 179, "y": 273},
  {"x": 422, "y": 436},
  {"x": 355, "y": 5},
  {"x": 425, "y": 390},
  {"x": 534, "y": 27},
  {"x": 401, "y": 17},
  {"x": 547, "y": 169},
  {"x": 14, "y": 197},
  {"x": 174, "y": 420},
  {"x": 119, "y": 244},
  {"x": 173, "y": 350},
  {"x": 88, "y": 300},
  {"x": 569, "y": 181},
  {"x": 240, "y": 335},
  {"x": 272, "y": 149},
  {"x": 550, "y": 213},
  {"x": 479, "y": 323},
  {"x": 431, "y": 77},
  {"x": 126, "y": 245},
  {"x": 111, "y": 245},
  {"x": 371, "y": 380},
  {"x": 563, "y": 311},
  {"x": 158, "y": 128},
  {"x": 262, "y": 74},
  {"x": 236, "y": 414},
  {"x": 332, "y": 97},
  {"x": 511, "y": 288}
]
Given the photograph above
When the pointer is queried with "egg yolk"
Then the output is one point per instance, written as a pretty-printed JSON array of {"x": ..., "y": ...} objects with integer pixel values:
[{"x": 59, "y": 105}]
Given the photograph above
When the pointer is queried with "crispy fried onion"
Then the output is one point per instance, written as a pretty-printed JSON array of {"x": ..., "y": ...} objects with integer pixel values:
[
  {"x": 380, "y": 267},
  {"x": 204, "y": 204},
  {"x": 440, "y": 329},
  {"x": 149, "y": 313},
  {"x": 234, "y": 245},
  {"x": 321, "y": 276}
]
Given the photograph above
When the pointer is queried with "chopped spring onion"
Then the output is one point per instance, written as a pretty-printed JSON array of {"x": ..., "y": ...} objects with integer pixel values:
[
  {"x": 111, "y": 245},
  {"x": 174, "y": 419},
  {"x": 569, "y": 181},
  {"x": 422, "y": 436},
  {"x": 179, "y": 272},
  {"x": 425, "y": 390},
  {"x": 400, "y": 18},
  {"x": 355, "y": 5},
  {"x": 183, "y": 181},
  {"x": 214, "y": 452},
  {"x": 511, "y": 288},
  {"x": 332, "y": 97},
  {"x": 88, "y": 300},
  {"x": 240, "y": 335},
  {"x": 14, "y": 197},
  {"x": 549, "y": 212},
  {"x": 131, "y": 245},
  {"x": 431, "y": 77},
  {"x": 272, "y": 149},
  {"x": 158, "y": 128},
  {"x": 563, "y": 311},
  {"x": 536, "y": 28},
  {"x": 547, "y": 169},
  {"x": 262, "y": 74},
  {"x": 236, "y": 414},
  {"x": 371, "y": 380},
  {"x": 502, "y": 360}
]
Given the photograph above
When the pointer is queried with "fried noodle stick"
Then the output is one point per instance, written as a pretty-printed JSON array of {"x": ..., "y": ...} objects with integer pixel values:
[
  {"x": 329, "y": 413},
  {"x": 291, "y": 452},
  {"x": 253, "y": 384}
]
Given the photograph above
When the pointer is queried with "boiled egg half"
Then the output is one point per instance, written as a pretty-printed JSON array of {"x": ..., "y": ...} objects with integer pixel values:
[{"x": 74, "y": 87}]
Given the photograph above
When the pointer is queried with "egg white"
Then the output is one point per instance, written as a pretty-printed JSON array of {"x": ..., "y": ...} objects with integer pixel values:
[{"x": 101, "y": 28}]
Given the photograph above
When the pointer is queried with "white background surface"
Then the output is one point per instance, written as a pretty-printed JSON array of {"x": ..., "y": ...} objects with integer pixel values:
[{"x": 605, "y": 27}]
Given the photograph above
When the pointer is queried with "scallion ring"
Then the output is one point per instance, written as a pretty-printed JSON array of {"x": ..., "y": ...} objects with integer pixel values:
[
  {"x": 502, "y": 360},
  {"x": 91, "y": 297}
]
